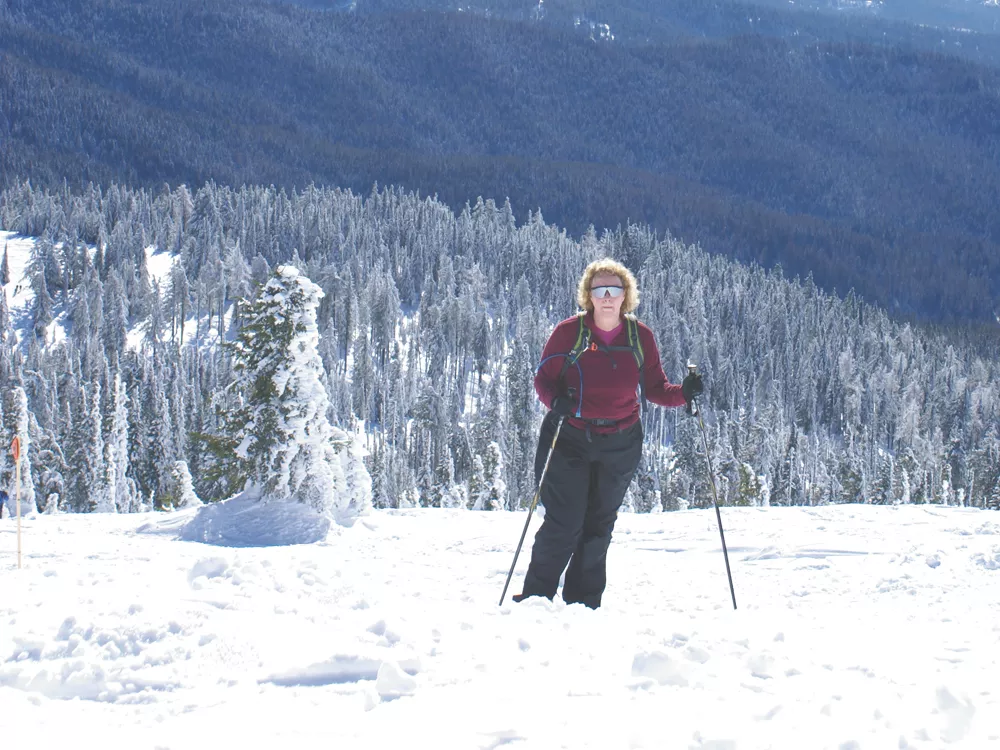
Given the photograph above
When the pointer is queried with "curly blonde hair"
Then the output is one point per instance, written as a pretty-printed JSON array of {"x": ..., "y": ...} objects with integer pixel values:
[{"x": 607, "y": 265}]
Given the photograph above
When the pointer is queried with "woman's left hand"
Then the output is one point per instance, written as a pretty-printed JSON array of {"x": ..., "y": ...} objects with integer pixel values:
[{"x": 692, "y": 386}]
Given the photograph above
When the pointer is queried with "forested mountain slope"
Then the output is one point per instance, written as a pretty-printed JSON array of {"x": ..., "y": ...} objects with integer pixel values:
[{"x": 869, "y": 166}]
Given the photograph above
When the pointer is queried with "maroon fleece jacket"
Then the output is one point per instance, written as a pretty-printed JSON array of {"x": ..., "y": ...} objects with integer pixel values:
[{"x": 610, "y": 378}]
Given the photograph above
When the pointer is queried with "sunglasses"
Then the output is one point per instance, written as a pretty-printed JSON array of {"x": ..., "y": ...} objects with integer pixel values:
[{"x": 607, "y": 291}]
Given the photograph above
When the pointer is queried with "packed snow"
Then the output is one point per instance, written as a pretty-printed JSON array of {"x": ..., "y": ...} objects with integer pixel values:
[{"x": 266, "y": 626}]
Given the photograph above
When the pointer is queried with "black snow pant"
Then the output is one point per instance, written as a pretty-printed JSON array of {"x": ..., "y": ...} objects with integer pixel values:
[{"x": 586, "y": 482}]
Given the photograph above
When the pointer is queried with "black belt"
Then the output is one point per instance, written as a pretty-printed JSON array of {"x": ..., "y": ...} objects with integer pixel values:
[{"x": 588, "y": 423}]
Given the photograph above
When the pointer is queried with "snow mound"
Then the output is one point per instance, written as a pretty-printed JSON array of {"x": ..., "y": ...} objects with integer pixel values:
[
  {"x": 957, "y": 714},
  {"x": 210, "y": 567},
  {"x": 990, "y": 560},
  {"x": 660, "y": 667},
  {"x": 392, "y": 681},
  {"x": 243, "y": 521},
  {"x": 988, "y": 528}
]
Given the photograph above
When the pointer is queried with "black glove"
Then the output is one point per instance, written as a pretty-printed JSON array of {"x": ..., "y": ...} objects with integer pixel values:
[
  {"x": 692, "y": 386},
  {"x": 563, "y": 406}
]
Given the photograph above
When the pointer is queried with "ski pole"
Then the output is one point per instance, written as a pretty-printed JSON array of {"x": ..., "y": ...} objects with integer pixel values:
[
  {"x": 531, "y": 509},
  {"x": 693, "y": 409}
]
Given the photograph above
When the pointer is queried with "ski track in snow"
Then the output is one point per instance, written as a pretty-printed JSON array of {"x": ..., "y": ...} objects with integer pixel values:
[{"x": 858, "y": 627}]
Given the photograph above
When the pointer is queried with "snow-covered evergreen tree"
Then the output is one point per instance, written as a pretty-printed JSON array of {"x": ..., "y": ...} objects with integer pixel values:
[
  {"x": 496, "y": 489},
  {"x": 356, "y": 497},
  {"x": 946, "y": 494},
  {"x": 120, "y": 487},
  {"x": 101, "y": 497},
  {"x": 478, "y": 485},
  {"x": 993, "y": 498},
  {"x": 288, "y": 448},
  {"x": 904, "y": 483},
  {"x": 749, "y": 492},
  {"x": 885, "y": 478},
  {"x": 20, "y": 419},
  {"x": 6, "y": 467},
  {"x": 9, "y": 352},
  {"x": 42, "y": 314},
  {"x": 159, "y": 438},
  {"x": 184, "y": 486}
]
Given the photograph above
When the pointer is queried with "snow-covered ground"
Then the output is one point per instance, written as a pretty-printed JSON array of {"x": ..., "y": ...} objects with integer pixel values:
[{"x": 858, "y": 627}]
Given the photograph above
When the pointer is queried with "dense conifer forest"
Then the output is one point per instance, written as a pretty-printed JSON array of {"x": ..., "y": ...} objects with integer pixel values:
[{"x": 431, "y": 324}]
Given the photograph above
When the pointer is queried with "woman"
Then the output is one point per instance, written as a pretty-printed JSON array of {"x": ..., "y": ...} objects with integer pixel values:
[{"x": 589, "y": 376}]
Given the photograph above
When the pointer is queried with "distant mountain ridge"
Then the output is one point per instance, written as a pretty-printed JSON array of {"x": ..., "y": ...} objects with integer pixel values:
[
  {"x": 982, "y": 16},
  {"x": 867, "y": 166},
  {"x": 958, "y": 27}
]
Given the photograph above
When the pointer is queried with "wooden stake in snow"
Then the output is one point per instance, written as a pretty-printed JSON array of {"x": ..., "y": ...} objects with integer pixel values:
[{"x": 15, "y": 451}]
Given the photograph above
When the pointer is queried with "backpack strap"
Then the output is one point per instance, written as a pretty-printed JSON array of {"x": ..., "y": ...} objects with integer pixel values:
[
  {"x": 582, "y": 344},
  {"x": 635, "y": 342}
]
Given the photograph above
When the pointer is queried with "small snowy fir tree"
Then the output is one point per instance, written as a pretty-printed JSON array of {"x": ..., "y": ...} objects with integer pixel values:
[
  {"x": 284, "y": 440},
  {"x": 6, "y": 469},
  {"x": 27, "y": 488},
  {"x": 993, "y": 499},
  {"x": 628, "y": 502},
  {"x": 183, "y": 486},
  {"x": 452, "y": 495},
  {"x": 478, "y": 486},
  {"x": 357, "y": 492},
  {"x": 102, "y": 496},
  {"x": 946, "y": 495},
  {"x": 118, "y": 487},
  {"x": 904, "y": 483},
  {"x": 765, "y": 491},
  {"x": 750, "y": 489},
  {"x": 496, "y": 494}
]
